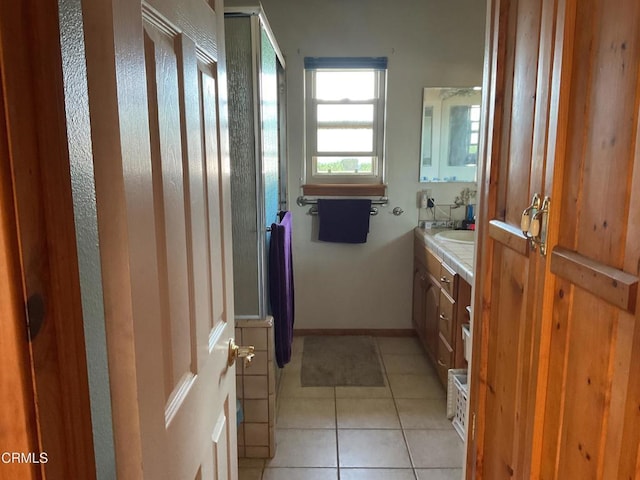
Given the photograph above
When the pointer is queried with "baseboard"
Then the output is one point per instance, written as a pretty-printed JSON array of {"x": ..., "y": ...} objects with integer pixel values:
[{"x": 373, "y": 332}]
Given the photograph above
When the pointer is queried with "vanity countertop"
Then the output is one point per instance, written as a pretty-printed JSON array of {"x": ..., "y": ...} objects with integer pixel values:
[{"x": 459, "y": 256}]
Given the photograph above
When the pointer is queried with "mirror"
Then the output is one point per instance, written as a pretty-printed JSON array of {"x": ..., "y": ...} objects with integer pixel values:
[{"x": 450, "y": 134}]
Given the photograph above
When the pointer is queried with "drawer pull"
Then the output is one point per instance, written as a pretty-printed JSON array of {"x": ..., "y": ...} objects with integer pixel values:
[
  {"x": 441, "y": 363},
  {"x": 443, "y": 317},
  {"x": 445, "y": 280}
]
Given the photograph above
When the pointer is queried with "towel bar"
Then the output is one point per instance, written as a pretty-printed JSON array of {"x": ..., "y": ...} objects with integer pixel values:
[
  {"x": 303, "y": 201},
  {"x": 314, "y": 211}
]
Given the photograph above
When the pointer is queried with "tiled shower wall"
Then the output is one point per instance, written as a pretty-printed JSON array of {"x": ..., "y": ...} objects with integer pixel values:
[{"x": 256, "y": 390}]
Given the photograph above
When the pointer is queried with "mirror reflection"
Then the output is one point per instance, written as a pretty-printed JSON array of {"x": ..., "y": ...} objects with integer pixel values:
[{"x": 450, "y": 134}]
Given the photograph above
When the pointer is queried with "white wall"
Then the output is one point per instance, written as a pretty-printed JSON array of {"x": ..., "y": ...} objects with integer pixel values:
[
  {"x": 429, "y": 43},
  {"x": 85, "y": 215}
]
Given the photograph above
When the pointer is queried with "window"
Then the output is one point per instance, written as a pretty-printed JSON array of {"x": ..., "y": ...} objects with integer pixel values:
[
  {"x": 345, "y": 100},
  {"x": 464, "y": 133}
]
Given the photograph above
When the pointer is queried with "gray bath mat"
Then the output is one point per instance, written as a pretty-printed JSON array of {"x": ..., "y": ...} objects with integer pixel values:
[{"x": 331, "y": 361}]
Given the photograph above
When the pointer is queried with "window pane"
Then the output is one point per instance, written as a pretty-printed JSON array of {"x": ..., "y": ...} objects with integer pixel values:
[
  {"x": 475, "y": 113},
  {"x": 345, "y": 140},
  {"x": 351, "y": 85},
  {"x": 344, "y": 165},
  {"x": 345, "y": 114}
]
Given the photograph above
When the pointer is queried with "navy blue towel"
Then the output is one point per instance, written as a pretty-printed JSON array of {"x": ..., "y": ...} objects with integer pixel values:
[
  {"x": 281, "y": 287},
  {"x": 344, "y": 221}
]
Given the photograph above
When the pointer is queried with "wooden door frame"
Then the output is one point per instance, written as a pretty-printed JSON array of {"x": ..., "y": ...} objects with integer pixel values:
[
  {"x": 38, "y": 161},
  {"x": 491, "y": 115},
  {"x": 552, "y": 99},
  {"x": 19, "y": 432}
]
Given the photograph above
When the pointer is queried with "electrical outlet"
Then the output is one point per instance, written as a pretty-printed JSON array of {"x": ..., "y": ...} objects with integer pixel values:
[{"x": 423, "y": 198}]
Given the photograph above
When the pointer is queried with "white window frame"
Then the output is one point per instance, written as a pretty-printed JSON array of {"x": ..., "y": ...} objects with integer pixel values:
[{"x": 376, "y": 176}]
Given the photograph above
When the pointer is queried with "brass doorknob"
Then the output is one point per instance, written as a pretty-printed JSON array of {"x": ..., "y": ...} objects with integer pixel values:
[{"x": 237, "y": 351}]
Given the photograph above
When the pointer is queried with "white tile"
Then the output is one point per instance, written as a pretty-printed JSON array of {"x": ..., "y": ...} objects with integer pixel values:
[
  {"x": 439, "y": 474},
  {"x": 423, "y": 413},
  {"x": 367, "y": 413},
  {"x": 251, "y": 463},
  {"x": 249, "y": 473},
  {"x": 294, "y": 365},
  {"x": 307, "y": 413},
  {"x": 304, "y": 448},
  {"x": 256, "y": 452},
  {"x": 256, "y": 336},
  {"x": 435, "y": 448},
  {"x": 300, "y": 474},
  {"x": 372, "y": 449},
  {"x": 256, "y": 435},
  {"x": 416, "y": 386},
  {"x": 298, "y": 345},
  {"x": 408, "y": 364},
  {"x": 255, "y": 386},
  {"x": 256, "y": 411},
  {"x": 292, "y": 388},
  {"x": 364, "y": 392},
  {"x": 376, "y": 474},
  {"x": 400, "y": 345}
]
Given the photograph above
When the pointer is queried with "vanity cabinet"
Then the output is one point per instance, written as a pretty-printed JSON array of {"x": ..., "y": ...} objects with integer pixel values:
[
  {"x": 440, "y": 298},
  {"x": 426, "y": 300}
]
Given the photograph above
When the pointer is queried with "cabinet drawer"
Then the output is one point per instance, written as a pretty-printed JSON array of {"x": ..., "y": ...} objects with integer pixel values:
[
  {"x": 446, "y": 317},
  {"x": 448, "y": 279},
  {"x": 445, "y": 359}
]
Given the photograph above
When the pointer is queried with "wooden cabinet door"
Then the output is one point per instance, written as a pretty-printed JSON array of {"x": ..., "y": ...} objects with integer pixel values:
[
  {"x": 158, "y": 117},
  {"x": 444, "y": 360},
  {"x": 555, "y": 387},
  {"x": 431, "y": 312},
  {"x": 417, "y": 316}
]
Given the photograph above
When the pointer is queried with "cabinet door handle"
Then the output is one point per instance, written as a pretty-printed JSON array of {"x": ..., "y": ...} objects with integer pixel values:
[
  {"x": 528, "y": 213},
  {"x": 445, "y": 280},
  {"x": 443, "y": 317},
  {"x": 538, "y": 228},
  {"x": 441, "y": 363}
]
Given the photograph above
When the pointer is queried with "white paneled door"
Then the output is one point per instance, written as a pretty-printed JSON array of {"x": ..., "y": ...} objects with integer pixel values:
[{"x": 158, "y": 114}]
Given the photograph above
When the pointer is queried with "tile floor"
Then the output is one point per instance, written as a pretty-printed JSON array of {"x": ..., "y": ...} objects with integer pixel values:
[{"x": 396, "y": 432}]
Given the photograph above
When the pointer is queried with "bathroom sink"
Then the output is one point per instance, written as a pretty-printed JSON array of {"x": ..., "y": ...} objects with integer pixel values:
[{"x": 457, "y": 236}]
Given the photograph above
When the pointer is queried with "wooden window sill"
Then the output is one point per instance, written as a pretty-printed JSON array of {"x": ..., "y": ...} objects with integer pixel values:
[{"x": 344, "y": 190}]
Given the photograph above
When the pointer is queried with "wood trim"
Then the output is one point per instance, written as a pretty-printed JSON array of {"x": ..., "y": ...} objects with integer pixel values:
[
  {"x": 19, "y": 432},
  {"x": 352, "y": 190},
  {"x": 33, "y": 87},
  {"x": 627, "y": 466},
  {"x": 495, "y": 97},
  {"x": 608, "y": 283},
  {"x": 556, "y": 56},
  {"x": 373, "y": 332},
  {"x": 509, "y": 236}
]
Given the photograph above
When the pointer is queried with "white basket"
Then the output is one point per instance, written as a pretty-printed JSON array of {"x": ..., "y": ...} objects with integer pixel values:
[
  {"x": 466, "y": 338},
  {"x": 452, "y": 390},
  {"x": 459, "y": 418}
]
